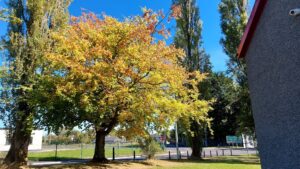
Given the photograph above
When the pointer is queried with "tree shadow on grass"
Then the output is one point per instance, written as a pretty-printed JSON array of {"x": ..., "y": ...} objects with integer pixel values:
[
  {"x": 251, "y": 160},
  {"x": 53, "y": 158},
  {"x": 86, "y": 164},
  {"x": 132, "y": 146},
  {"x": 93, "y": 165}
]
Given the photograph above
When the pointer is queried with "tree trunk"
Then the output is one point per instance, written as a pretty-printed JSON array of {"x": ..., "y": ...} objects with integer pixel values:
[
  {"x": 196, "y": 141},
  {"x": 20, "y": 140},
  {"x": 196, "y": 147},
  {"x": 18, "y": 152},
  {"x": 99, "y": 154}
]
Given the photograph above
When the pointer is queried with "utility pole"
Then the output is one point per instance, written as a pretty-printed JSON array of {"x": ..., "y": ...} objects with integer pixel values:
[
  {"x": 176, "y": 136},
  {"x": 81, "y": 146},
  {"x": 205, "y": 133}
]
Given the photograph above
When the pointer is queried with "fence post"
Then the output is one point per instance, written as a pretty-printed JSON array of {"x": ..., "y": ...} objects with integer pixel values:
[
  {"x": 204, "y": 154},
  {"x": 217, "y": 153},
  {"x": 169, "y": 155},
  {"x": 210, "y": 153},
  {"x": 56, "y": 151},
  {"x": 187, "y": 154},
  {"x": 113, "y": 153},
  {"x": 81, "y": 147},
  {"x": 133, "y": 154},
  {"x": 223, "y": 152},
  {"x": 247, "y": 150},
  {"x": 231, "y": 152}
]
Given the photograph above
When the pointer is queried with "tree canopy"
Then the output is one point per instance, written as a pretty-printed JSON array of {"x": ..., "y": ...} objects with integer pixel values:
[
  {"x": 233, "y": 23},
  {"x": 115, "y": 74}
]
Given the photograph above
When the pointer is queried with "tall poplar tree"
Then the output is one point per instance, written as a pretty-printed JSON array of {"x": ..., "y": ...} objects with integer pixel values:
[
  {"x": 188, "y": 37},
  {"x": 29, "y": 25},
  {"x": 2, "y": 14},
  {"x": 233, "y": 23},
  {"x": 188, "y": 33}
]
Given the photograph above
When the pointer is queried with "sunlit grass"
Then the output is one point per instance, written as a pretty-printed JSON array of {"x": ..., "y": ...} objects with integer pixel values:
[{"x": 76, "y": 154}]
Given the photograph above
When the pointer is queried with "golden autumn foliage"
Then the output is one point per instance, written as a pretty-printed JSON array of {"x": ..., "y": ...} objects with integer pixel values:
[{"x": 121, "y": 77}]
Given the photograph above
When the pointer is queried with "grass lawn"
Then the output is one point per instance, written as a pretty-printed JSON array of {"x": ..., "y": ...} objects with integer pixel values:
[
  {"x": 76, "y": 154},
  {"x": 232, "y": 162}
]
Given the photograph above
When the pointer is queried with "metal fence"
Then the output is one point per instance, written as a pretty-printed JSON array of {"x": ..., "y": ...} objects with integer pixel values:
[{"x": 82, "y": 151}]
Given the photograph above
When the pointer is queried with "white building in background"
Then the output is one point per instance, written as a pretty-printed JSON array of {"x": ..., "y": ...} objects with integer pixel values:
[{"x": 35, "y": 140}]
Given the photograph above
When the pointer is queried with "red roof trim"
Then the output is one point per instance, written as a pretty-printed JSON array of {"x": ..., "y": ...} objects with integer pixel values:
[{"x": 251, "y": 27}]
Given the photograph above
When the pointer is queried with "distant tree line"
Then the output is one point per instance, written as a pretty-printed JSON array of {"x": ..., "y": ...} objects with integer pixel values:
[{"x": 70, "y": 137}]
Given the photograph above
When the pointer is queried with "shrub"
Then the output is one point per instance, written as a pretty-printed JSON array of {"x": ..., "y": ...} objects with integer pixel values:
[{"x": 149, "y": 147}]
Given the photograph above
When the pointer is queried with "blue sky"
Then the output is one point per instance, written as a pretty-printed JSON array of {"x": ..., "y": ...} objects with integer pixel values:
[{"x": 124, "y": 8}]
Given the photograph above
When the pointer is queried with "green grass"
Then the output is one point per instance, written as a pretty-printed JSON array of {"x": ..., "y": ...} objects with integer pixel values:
[{"x": 76, "y": 154}]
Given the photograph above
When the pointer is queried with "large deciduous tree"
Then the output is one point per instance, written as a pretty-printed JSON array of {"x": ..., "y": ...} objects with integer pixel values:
[
  {"x": 189, "y": 37},
  {"x": 30, "y": 22},
  {"x": 116, "y": 75},
  {"x": 233, "y": 23}
]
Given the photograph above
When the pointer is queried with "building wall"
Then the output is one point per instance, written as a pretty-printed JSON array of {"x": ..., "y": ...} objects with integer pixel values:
[
  {"x": 2, "y": 138},
  {"x": 273, "y": 62},
  {"x": 37, "y": 138}
]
